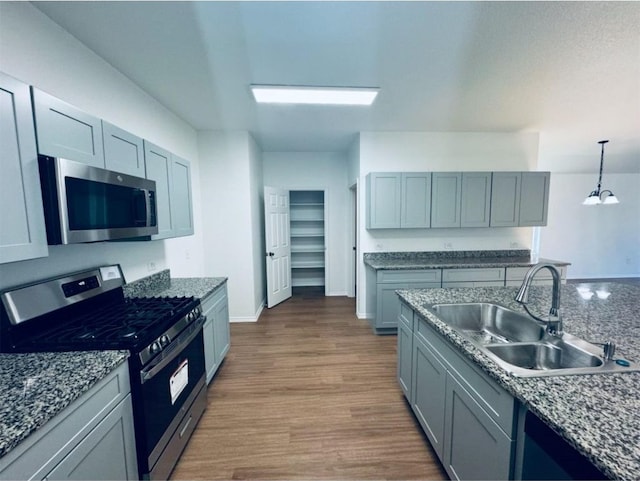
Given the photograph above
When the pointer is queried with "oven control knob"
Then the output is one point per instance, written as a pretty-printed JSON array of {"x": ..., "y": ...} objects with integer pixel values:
[
  {"x": 155, "y": 347},
  {"x": 164, "y": 340}
]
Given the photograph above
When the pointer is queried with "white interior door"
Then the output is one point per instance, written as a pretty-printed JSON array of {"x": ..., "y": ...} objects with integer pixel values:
[{"x": 278, "y": 255}]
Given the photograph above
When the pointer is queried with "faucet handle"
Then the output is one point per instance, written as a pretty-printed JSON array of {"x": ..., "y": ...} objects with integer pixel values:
[{"x": 608, "y": 350}]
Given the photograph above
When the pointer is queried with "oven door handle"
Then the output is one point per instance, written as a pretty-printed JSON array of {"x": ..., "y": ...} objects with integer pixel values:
[{"x": 183, "y": 339}]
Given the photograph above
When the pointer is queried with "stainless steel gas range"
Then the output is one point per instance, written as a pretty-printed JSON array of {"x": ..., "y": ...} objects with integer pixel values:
[{"x": 88, "y": 311}]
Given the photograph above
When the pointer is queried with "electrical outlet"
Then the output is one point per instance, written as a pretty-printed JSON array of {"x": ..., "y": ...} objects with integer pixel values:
[
  {"x": 151, "y": 266},
  {"x": 187, "y": 254},
  {"x": 448, "y": 245},
  {"x": 514, "y": 245},
  {"x": 379, "y": 246}
]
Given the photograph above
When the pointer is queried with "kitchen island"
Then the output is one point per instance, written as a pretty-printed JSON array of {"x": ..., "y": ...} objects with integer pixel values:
[{"x": 595, "y": 414}]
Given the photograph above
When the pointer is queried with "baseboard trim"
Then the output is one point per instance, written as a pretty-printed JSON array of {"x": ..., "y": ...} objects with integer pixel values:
[{"x": 250, "y": 318}]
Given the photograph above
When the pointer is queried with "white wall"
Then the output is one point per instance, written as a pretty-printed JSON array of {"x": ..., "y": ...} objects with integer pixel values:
[
  {"x": 37, "y": 51},
  {"x": 257, "y": 224},
  {"x": 229, "y": 177},
  {"x": 599, "y": 241},
  {"x": 436, "y": 151},
  {"x": 319, "y": 171}
]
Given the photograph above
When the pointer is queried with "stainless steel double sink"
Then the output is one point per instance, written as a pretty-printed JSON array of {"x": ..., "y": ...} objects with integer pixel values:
[{"x": 520, "y": 345}]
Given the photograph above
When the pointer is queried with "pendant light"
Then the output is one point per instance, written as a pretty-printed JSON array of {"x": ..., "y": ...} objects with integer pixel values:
[{"x": 595, "y": 197}]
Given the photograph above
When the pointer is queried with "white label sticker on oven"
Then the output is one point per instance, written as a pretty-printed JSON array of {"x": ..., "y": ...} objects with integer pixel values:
[
  {"x": 111, "y": 272},
  {"x": 179, "y": 380}
]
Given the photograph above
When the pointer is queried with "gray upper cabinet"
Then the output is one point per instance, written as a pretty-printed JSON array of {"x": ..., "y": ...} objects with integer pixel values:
[
  {"x": 181, "y": 203},
  {"x": 383, "y": 200},
  {"x": 158, "y": 168},
  {"x": 505, "y": 199},
  {"x": 123, "y": 151},
  {"x": 173, "y": 191},
  {"x": 416, "y": 200},
  {"x": 475, "y": 202},
  {"x": 534, "y": 198},
  {"x": 65, "y": 131},
  {"x": 22, "y": 228},
  {"x": 445, "y": 199}
]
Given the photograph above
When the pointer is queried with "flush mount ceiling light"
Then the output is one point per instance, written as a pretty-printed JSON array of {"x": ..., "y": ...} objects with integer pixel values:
[
  {"x": 290, "y": 94},
  {"x": 595, "y": 197}
]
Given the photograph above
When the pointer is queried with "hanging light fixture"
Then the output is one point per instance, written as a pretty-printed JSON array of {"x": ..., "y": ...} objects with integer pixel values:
[{"x": 595, "y": 197}]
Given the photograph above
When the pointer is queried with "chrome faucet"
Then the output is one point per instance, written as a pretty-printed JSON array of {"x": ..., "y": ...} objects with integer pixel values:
[{"x": 554, "y": 321}]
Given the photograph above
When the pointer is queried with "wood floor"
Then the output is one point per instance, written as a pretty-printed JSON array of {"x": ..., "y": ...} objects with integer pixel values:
[{"x": 308, "y": 392}]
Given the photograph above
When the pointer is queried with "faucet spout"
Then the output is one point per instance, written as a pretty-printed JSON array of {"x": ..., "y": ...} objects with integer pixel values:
[{"x": 554, "y": 321}]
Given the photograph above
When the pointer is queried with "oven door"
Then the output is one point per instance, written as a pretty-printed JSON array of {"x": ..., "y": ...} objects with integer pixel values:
[{"x": 167, "y": 389}]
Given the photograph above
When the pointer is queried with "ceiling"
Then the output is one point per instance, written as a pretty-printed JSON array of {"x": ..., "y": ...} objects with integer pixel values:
[{"x": 569, "y": 70}]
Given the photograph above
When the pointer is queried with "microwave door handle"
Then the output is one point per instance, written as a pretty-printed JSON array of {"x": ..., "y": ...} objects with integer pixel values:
[{"x": 182, "y": 340}]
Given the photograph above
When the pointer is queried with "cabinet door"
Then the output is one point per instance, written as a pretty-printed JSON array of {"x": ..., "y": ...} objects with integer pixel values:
[
  {"x": 383, "y": 200},
  {"x": 405, "y": 355},
  {"x": 388, "y": 305},
  {"x": 123, "y": 151},
  {"x": 65, "y": 131},
  {"x": 209, "y": 349},
  {"x": 416, "y": 200},
  {"x": 181, "y": 205},
  {"x": 429, "y": 380},
  {"x": 475, "y": 202},
  {"x": 221, "y": 329},
  {"x": 107, "y": 452},
  {"x": 475, "y": 447},
  {"x": 534, "y": 198},
  {"x": 22, "y": 228},
  {"x": 158, "y": 168},
  {"x": 505, "y": 199},
  {"x": 445, "y": 199}
]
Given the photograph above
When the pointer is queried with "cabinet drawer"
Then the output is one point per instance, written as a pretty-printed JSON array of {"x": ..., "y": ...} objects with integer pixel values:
[
  {"x": 470, "y": 275},
  {"x": 497, "y": 402},
  {"x": 518, "y": 273},
  {"x": 422, "y": 275},
  {"x": 406, "y": 316}
]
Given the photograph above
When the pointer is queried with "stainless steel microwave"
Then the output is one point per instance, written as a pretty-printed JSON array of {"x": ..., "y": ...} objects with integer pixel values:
[{"x": 88, "y": 204}]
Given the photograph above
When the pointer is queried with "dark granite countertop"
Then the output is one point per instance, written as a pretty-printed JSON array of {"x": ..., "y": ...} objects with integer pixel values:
[
  {"x": 162, "y": 284},
  {"x": 597, "y": 414},
  {"x": 38, "y": 386},
  {"x": 452, "y": 260}
]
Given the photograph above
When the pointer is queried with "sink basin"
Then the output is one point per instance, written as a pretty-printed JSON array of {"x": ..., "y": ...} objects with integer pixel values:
[
  {"x": 545, "y": 355},
  {"x": 488, "y": 323},
  {"x": 520, "y": 345}
]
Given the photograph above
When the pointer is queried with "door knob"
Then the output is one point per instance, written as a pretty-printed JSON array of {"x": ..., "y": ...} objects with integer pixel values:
[{"x": 270, "y": 254}]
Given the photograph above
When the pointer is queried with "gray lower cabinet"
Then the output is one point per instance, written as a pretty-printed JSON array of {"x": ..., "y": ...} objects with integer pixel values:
[
  {"x": 470, "y": 421},
  {"x": 217, "y": 340},
  {"x": 477, "y": 277},
  {"x": 22, "y": 228},
  {"x": 405, "y": 351},
  {"x": 515, "y": 275},
  {"x": 381, "y": 293},
  {"x": 123, "y": 151},
  {"x": 93, "y": 438},
  {"x": 66, "y": 131}
]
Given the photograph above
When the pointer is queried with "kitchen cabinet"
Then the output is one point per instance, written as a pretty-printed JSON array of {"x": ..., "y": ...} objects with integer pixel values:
[
  {"x": 519, "y": 199},
  {"x": 64, "y": 131},
  {"x": 22, "y": 227},
  {"x": 405, "y": 351},
  {"x": 475, "y": 199},
  {"x": 216, "y": 332},
  {"x": 415, "y": 206},
  {"x": 93, "y": 438},
  {"x": 307, "y": 237},
  {"x": 382, "y": 298},
  {"x": 445, "y": 199},
  {"x": 383, "y": 200},
  {"x": 515, "y": 275},
  {"x": 123, "y": 151},
  {"x": 173, "y": 191},
  {"x": 180, "y": 197},
  {"x": 478, "y": 277},
  {"x": 471, "y": 422},
  {"x": 534, "y": 199}
]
